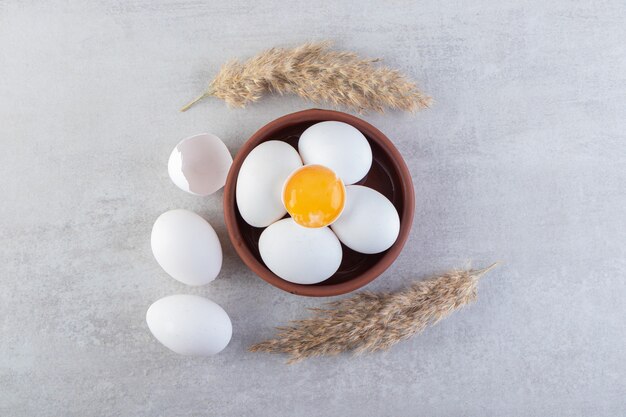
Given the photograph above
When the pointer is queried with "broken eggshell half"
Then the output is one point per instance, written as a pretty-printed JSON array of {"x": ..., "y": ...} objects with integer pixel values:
[{"x": 199, "y": 164}]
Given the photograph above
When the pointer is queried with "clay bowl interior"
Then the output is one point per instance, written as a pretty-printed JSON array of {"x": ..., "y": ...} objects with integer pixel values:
[{"x": 389, "y": 175}]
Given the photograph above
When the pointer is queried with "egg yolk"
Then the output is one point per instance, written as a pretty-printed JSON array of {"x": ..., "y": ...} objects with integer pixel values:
[{"x": 314, "y": 196}]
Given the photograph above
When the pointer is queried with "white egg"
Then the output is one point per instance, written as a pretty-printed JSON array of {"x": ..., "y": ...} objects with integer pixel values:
[
  {"x": 189, "y": 324},
  {"x": 200, "y": 164},
  {"x": 261, "y": 179},
  {"x": 369, "y": 222},
  {"x": 338, "y": 146},
  {"x": 299, "y": 254},
  {"x": 186, "y": 247}
]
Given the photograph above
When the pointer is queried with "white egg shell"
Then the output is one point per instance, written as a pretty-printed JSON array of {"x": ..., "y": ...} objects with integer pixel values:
[
  {"x": 189, "y": 324},
  {"x": 200, "y": 164},
  {"x": 261, "y": 179},
  {"x": 338, "y": 146},
  {"x": 369, "y": 222},
  {"x": 299, "y": 254},
  {"x": 186, "y": 247}
]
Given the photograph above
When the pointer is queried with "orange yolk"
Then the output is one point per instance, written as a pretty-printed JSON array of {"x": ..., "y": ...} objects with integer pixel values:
[{"x": 314, "y": 196}]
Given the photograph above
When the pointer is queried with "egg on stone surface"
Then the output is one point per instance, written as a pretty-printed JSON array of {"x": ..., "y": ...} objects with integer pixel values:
[
  {"x": 186, "y": 247},
  {"x": 299, "y": 254},
  {"x": 369, "y": 223},
  {"x": 200, "y": 164},
  {"x": 189, "y": 324},
  {"x": 261, "y": 179},
  {"x": 338, "y": 146}
]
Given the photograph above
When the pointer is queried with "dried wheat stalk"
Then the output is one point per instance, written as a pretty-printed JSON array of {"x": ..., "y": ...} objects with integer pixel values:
[
  {"x": 367, "y": 322},
  {"x": 316, "y": 73}
]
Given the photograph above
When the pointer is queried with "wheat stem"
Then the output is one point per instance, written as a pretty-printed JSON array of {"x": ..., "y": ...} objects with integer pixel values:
[
  {"x": 480, "y": 272},
  {"x": 204, "y": 95}
]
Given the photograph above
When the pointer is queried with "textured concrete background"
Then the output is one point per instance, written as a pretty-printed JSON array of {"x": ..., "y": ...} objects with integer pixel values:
[{"x": 522, "y": 159}]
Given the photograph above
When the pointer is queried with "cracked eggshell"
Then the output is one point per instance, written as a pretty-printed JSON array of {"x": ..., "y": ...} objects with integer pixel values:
[
  {"x": 189, "y": 324},
  {"x": 186, "y": 247},
  {"x": 199, "y": 164}
]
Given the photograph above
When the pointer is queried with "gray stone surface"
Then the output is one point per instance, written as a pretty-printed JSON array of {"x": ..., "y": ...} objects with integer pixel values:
[{"x": 521, "y": 159}]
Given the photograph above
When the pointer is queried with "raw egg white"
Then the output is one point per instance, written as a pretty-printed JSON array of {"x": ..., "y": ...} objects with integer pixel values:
[
  {"x": 260, "y": 182},
  {"x": 200, "y": 164},
  {"x": 369, "y": 222},
  {"x": 186, "y": 247},
  {"x": 338, "y": 146},
  {"x": 189, "y": 324},
  {"x": 298, "y": 254}
]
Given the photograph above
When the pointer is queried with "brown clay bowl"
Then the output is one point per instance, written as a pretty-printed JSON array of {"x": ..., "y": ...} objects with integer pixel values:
[{"x": 389, "y": 175}]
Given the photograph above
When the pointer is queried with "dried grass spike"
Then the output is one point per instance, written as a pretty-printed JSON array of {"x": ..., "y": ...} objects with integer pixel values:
[
  {"x": 368, "y": 322},
  {"x": 314, "y": 72}
]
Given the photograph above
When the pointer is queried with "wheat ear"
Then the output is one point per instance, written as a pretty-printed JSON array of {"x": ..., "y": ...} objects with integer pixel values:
[
  {"x": 368, "y": 322},
  {"x": 315, "y": 72}
]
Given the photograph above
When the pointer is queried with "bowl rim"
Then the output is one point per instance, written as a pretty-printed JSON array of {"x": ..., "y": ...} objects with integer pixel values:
[{"x": 406, "y": 216}]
